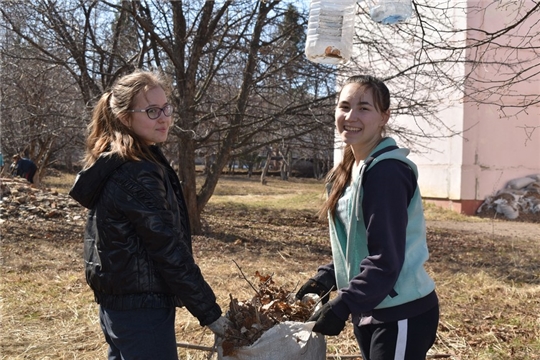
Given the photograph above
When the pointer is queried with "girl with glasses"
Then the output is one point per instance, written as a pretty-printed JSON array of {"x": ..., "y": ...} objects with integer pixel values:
[{"x": 138, "y": 251}]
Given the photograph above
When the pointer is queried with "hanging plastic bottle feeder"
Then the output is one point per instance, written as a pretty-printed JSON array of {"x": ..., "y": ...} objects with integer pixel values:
[
  {"x": 390, "y": 12},
  {"x": 330, "y": 31}
]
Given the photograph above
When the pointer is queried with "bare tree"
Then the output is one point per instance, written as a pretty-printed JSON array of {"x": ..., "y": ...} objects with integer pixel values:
[
  {"x": 40, "y": 107},
  {"x": 222, "y": 60},
  {"x": 55, "y": 63},
  {"x": 241, "y": 81},
  {"x": 439, "y": 57}
]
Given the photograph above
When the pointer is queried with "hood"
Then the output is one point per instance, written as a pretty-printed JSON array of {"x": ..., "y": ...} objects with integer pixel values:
[{"x": 90, "y": 182}]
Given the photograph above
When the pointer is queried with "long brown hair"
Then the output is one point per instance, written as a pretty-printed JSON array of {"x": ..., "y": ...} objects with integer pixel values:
[
  {"x": 106, "y": 132},
  {"x": 340, "y": 176}
]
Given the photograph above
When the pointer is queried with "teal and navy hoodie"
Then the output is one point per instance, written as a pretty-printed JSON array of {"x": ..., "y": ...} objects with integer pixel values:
[{"x": 379, "y": 242}]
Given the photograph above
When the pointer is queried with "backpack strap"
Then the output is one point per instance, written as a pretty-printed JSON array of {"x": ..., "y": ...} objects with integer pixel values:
[{"x": 370, "y": 159}]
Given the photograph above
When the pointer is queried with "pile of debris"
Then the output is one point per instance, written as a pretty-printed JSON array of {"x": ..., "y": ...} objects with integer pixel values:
[
  {"x": 270, "y": 306},
  {"x": 20, "y": 201},
  {"x": 520, "y": 197}
]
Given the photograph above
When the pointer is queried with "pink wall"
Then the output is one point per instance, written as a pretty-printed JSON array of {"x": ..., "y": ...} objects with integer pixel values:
[
  {"x": 498, "y": 139},
  {"x": 503, "y": 140}
]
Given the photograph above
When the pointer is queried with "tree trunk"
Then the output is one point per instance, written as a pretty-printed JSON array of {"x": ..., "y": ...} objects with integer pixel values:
[
  {"x": 316, "y": 167},
  {"x": 285, "y": 167},
  {"x": 290, "y": 163},
  {"x": 188, "y": 177},
  {"x": 265, "y": 169}
]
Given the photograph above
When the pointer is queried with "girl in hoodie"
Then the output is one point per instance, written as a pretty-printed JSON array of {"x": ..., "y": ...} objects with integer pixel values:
[{"x": 377, "y": 234}]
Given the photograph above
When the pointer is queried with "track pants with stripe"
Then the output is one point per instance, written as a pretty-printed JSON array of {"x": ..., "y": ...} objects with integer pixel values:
[{"x": 408, "y": 339}]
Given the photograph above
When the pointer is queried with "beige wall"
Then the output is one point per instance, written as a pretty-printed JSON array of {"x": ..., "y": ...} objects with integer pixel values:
[
  {"x": 503, "y": 142},
  {"x": 498, "y": 144},
  {"x": 488, "y": 140}
]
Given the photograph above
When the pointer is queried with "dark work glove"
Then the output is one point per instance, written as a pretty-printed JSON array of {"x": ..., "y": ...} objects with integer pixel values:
[
  {"x": 314, "y": 287},
  {"x": 326, "y": 321}
]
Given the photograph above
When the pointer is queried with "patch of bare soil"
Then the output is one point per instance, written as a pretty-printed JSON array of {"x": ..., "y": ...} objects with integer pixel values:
[
  {"x": 48, "y": 310},
  {"x": 503, "y": 228}
]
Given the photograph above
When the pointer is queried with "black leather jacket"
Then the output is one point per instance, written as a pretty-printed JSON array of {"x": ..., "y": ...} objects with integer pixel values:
[{"x": 137, "y": 242}]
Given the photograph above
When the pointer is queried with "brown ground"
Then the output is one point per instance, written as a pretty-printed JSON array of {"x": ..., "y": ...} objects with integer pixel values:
[
  {"x": 518, "y": 229},
  {"x": 46, "y": 252}
]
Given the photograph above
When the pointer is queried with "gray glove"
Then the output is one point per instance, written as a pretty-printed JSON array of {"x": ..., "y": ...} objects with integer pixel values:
[{"x": 220, "y": 326}]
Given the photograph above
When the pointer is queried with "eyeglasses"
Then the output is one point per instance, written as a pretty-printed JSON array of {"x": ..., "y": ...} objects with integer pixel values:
[{"x": 155, "y": 112}]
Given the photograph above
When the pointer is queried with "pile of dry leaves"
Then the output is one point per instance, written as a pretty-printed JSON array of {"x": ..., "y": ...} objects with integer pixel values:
[{"x": 271, "y": 305}]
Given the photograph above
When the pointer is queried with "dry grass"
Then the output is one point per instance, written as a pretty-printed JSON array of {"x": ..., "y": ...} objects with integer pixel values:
[
  {"x": 58, "y": 181},
  {"x": 434, "y": 212},
  {"x": 489, "y": 286}
]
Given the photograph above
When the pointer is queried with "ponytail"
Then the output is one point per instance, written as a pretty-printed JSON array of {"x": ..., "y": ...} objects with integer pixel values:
[
  {"x": 96, "y": 142},
  {"x": 338, "y": 179}
]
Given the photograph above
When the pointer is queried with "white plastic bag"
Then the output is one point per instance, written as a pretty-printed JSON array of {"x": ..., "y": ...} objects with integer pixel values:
[
  {"x": 288, "y": 340},
  {"x": 520, "y": 183}
]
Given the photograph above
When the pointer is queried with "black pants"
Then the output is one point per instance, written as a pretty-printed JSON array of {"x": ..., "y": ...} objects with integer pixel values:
[
  {"x": 142, "y": 334},
  {"x": 408, "y": 339},
  {"x": 30, "y": 175}
]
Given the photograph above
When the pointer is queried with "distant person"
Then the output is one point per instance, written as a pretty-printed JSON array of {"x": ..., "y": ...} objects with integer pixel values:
[
  {"x": 1, "y": 163},
  {"x": 23, "y": 167},
  {"x": 138, "y": 251},
  {"x": 377, "y": 234}
]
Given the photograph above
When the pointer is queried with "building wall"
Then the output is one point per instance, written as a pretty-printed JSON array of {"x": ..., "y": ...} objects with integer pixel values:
[
  {"x": 439, "y": 159},
  {"x": 439, "y": 164},
  {"x": 503, "y": 142},
  {"x": 488, "y": 140},
  {"x": 501, "y": 139}
]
